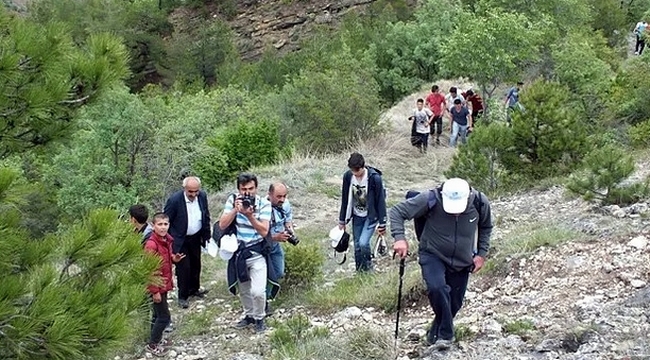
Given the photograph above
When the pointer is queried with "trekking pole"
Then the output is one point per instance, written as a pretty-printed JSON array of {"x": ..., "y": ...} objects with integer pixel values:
[{"x": 402, "y": 265}]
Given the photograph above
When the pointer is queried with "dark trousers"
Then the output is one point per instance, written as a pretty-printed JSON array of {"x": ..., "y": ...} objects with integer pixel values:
[
  {"x": 640, "y": 45},
  {"x": 424, "y": 142},
  {"x": 446, "y": 291},
  {"x": 188, "y": 270},
  {"x": 436, "y": 126},
  {"x": 160, "y": 319}
]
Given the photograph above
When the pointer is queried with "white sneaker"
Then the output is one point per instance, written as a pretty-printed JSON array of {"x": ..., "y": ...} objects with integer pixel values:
[{"x": 636, "y": 53}]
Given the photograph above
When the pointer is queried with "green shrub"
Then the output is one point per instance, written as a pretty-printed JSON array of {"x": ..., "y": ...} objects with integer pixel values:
[
  {"x": 518, "y": 327},
  {"x": 481, "y": 161},
  {"x": 247, "y": 143},
  {"x": 602, "y": 178},
  {"x": 297, "y": 339},
  {"x": 550, "y": 136},
  {"x": 640, "y": 134},
  {"x": 304, "y": 263}
]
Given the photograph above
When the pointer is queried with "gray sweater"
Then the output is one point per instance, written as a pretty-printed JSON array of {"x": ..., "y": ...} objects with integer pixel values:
[{"x": 450, "y": 237}]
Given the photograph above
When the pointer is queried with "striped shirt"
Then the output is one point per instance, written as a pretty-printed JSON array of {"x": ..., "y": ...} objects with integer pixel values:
[
  {"x": 279, "y": 219},
  {"x": 245, "y": 230}
]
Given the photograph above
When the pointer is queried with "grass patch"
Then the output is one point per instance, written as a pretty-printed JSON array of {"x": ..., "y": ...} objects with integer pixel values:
[
  {"x": 366, "y": 343},
  {"x": 197, "y": 323},
  {"x": 519, "y": 327},
  {"x": 463, "y": 333},
  {"x": 377, "y": 290},
  {"x": 329, "y": 190},
  {"x": 521, "y": 242}
]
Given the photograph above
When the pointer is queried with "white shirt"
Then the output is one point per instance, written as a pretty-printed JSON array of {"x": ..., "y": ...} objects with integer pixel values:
[
  {"x": 450, "y": 100},
  {"x": 194, "y": 215},
  {"x": 359, "y": 190},
  {"x": 421, "y": 118}
]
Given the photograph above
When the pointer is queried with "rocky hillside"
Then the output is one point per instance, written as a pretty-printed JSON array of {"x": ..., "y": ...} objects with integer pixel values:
[
  {"x": 567, "y": 279},
  {"x": 284, "y": 24}
]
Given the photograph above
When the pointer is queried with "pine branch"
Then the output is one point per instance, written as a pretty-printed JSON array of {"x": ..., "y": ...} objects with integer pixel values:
[{"x": 76, "y": 101}]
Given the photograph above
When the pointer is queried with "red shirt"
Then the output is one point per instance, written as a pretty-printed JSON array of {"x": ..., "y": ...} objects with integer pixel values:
[
  {"x": 434, "y": 101},
  {"x": 477, "y": 102},
  {"x": 162, "y": 248}
]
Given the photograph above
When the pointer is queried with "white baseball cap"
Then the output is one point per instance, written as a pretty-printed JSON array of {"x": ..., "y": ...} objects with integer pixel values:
[{"x": 455, "y": 193}]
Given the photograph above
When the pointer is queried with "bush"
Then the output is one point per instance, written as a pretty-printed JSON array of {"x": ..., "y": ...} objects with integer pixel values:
[
  {"x": 304, "y": 263},
  {"x": 480, "y": 162},
  {"x": 602, "y": 178},
  {"x": 247, "y": 143},
  {"x": 550, "y": 136},
  {"x": 367, "y": 343},
  {"x": 640, "y": 134}
]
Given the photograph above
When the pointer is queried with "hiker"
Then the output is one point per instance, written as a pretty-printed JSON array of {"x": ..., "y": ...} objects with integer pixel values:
[
  {"x": 640, "y": 33},
  {"x": 447, "y": 220},
  {"x": 460, "y": 124},
  {"x": 453, "y": 95},
  {"x": 512, "y": 101},
  {"x": 189, "y": 220},
  {"x": 160, "y": 243},
  {"x": 138, "y": 216},
  {"x": 475, "y": 103},
  {"x": 248, "y": 268},
  {"x": 363, "y": 200},
  {"x": 281, "y": 228},
  {"x": 421, "y": 118},
  {"x": 436, "y": 102}
]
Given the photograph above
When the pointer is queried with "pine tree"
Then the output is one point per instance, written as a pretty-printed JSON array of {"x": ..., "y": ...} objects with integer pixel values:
[
  {"x": 45, "y": 76},
  {"x": 71, "y": 295}
]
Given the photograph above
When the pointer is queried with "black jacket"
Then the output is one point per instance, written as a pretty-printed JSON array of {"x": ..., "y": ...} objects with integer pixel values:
[
  {"x": 376, "y": 198},
  {"x": 176, "y": 209},
  {"x": 450, "y": 237}
]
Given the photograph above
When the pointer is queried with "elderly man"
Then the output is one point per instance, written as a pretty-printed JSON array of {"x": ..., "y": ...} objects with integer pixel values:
[{"x": 189, "y": 219}]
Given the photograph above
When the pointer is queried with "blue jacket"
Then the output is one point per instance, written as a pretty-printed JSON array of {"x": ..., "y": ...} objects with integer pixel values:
[
  {"x": 376, "y": 198},
  {"x": 176, "y": 209}
]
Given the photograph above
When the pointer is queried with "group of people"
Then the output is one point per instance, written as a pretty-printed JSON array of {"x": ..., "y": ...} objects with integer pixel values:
[
  {"x": 178, "y": 234},
  {"x": 448, "y": 252},
  {"x": 462, "y": 110}
]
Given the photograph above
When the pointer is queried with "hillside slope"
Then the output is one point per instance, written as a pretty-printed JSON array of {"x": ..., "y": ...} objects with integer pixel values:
[{"x": 573, "y": 286}]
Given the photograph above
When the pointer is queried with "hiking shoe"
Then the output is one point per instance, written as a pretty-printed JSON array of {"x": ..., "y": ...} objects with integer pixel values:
[
  {"x": 184, "y": 303},
  {"x": 442, "y": 344},
  {"x": 166, "y": 343},
  {"x": 432, "y": 334},
  {"x": 259, "y": 326},
  {"x": 200, "y": 293},
  {"x": 268, "y": 310},
  {"x": 244, "y": 322},
  {"x": 156, "y": 350}
]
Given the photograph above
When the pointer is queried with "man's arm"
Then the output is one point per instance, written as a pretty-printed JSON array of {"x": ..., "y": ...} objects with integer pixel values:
[
  {"x": 407, "y": 210},
  {"x": 261, "y": 224},
  {"x": 170, "y": 208},
  {"x": 288, "y": 216},
  {"x": 380, "y": 201},
  {"x": 484, "y": 227},
  {"x": 205, "y": 222},
  {"x": 229, "y": 213}
]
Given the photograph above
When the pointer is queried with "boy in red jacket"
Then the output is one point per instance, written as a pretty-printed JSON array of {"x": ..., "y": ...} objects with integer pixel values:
[{"x": 160, "y": 243}]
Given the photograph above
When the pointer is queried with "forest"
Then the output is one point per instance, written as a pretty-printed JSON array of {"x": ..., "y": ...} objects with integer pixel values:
[{"x": 108, "y": 103}]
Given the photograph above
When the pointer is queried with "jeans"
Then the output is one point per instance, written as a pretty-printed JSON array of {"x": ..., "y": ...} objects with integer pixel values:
[
  {"x": 456, "y": 130},
  {"x": 160, "y": 319},
  {"x": 424, "y": 142},
  {"x": 277, "y": 259},
  {"x": 362, "y": 231},
  {"x": 640, "y": 45},
  {"x": 252, "y": 294},
  {"x": 446, "y": 291}
]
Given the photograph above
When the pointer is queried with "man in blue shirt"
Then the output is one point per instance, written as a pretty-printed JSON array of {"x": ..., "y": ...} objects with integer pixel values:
[
  {"x": 461, "y": 122},
  {"x": 281, "y": 221},
  {"x": 512, "y": 100}
]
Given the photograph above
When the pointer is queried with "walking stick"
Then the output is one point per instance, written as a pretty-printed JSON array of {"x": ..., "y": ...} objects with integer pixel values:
[{"x": 402, "y": 264}]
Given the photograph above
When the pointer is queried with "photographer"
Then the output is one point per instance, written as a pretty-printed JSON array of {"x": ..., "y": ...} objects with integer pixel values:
[{"x": 248, "y": 268}]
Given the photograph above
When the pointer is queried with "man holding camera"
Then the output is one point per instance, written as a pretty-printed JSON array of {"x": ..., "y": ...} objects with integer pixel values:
[
  {"x": 281, "y": 226},
  {"x": 251, "y": 215}
]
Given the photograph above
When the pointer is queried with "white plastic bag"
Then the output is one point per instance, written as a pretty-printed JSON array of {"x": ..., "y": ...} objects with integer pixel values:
[{"x": 212, "y": 248}]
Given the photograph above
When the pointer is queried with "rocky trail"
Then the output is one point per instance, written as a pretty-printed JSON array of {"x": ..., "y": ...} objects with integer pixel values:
[{"x": 583, "y": 294}]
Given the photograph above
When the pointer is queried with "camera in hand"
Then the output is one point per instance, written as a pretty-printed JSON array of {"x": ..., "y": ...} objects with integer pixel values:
[
  {"x": 247, "y": 201},
  {"x": 293, "y": 239}
]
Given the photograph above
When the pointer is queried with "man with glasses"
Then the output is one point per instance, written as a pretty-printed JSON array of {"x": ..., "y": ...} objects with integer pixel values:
[
  {"x": 189, "y": 220},
  {"x": 363, "y": 200}
]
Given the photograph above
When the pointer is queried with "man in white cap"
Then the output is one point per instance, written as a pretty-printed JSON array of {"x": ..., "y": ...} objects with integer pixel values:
[{"x": 447, "y": 220}]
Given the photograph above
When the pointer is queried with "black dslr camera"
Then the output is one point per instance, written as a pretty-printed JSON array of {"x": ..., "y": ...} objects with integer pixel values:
[
  {"x": 247, "y": 200},
  {"x": 293, "y": 239}
]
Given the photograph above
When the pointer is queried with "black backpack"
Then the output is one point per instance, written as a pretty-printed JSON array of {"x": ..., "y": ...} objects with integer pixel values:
[{"x": 419, "y": 222}]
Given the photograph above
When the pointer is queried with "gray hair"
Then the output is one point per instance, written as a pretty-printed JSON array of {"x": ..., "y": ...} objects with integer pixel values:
[{"x": 191, "y": 178}]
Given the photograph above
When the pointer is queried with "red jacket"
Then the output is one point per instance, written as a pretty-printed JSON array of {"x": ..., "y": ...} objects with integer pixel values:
[{"x": 163, "y": 248}]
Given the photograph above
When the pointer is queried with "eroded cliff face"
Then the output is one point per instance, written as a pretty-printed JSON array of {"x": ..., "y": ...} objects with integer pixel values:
[{"x": 283, "y": 24}]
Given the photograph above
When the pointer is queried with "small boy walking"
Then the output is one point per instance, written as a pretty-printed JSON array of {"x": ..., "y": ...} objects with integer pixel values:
[{"x": 160, "y": 243}]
